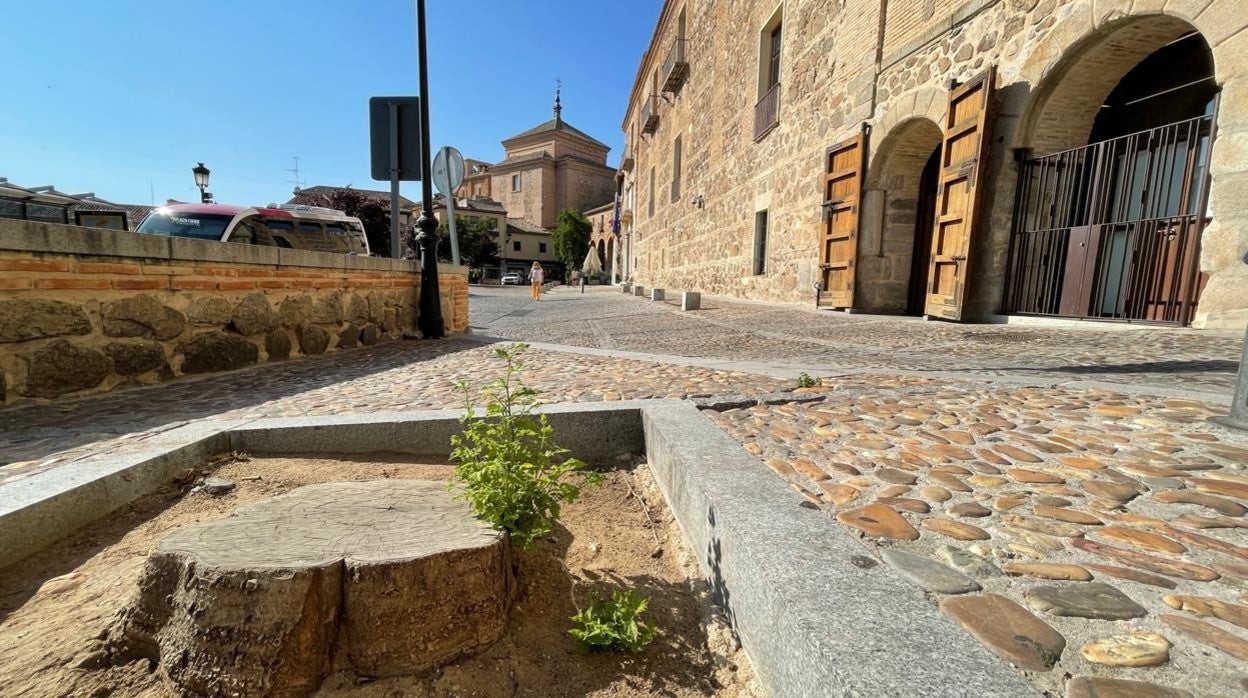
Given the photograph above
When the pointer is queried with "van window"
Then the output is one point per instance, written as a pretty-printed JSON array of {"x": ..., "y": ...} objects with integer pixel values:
[{"x": 181, "y": 224}]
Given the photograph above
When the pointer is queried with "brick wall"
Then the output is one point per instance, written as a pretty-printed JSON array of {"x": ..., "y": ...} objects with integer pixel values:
[{"x": 85, "y": 310}]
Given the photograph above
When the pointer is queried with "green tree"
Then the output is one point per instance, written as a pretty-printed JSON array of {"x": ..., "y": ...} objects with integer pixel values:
[
  {"x": 571, "y": 237},
  {"x": 478, "y": 241},
  {"x": 372, "y": 212}
]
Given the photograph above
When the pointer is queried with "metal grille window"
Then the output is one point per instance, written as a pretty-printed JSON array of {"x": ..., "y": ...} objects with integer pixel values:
[
  {"x": 760, "y": 243},
  {"x": 650, "y": 204},
  {"x": 1112, "y": 230},
  {"x": 676, "y": 170}
]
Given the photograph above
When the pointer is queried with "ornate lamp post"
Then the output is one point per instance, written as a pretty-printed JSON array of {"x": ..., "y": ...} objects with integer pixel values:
[
  {"x": 430, "y": 318},
  {"x": 201, "y": 180}
]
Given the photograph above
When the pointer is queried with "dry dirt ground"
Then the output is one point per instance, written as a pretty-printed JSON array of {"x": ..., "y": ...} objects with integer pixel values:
[{"x": 55, "y": 605}]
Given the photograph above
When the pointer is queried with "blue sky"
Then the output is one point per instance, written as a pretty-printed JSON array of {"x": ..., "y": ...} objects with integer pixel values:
[{"x": 124, "y": 97}]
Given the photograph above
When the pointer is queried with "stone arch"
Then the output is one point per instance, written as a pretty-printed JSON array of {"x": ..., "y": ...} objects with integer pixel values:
[
  {"x": 925, "y": 102},
  {"x": 1083, "y": 58},
  {"x": 891, "y": 246},
  {"x": 1060, "y": 110}
]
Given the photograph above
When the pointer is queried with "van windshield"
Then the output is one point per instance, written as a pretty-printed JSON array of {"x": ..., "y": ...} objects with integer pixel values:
[{"x": 202, "y": 226}]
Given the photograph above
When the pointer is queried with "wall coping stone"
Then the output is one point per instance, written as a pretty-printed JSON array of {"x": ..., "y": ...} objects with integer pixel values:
[{"x": 59, "y": 238}]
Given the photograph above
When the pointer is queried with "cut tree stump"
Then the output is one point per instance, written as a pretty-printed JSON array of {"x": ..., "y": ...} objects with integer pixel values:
[{"x": 387, "y": 578}]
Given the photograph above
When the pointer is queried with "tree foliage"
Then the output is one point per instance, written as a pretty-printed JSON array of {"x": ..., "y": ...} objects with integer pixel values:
[
  {"x": 478, "y": 241},
  {"x": 571, "y": 237},
  {"x": 372, "y": 212}
]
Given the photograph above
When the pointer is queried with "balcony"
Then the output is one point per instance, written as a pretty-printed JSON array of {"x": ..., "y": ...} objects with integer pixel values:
[
  {"x": 767, "y": 113},
  {"x": 675, "y": 69},
  {"x": 650, "y": 114},
  {"x": 626, "y": 165}
]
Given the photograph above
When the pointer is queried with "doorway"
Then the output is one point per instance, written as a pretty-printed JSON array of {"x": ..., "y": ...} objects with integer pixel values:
[{"x": 924, "y": 222}]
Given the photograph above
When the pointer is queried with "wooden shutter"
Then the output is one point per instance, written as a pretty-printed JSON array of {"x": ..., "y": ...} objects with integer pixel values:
[
  {"x": 838, "y": 241},
  {"x": 963, "y": 154}
]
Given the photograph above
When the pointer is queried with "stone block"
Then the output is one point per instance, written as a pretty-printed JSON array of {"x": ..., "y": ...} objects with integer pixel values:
[
  {"x": 296, "y": 310},
  {"x": 369, "y": 335},
  {"x": 358, "y": 308},
  {"x": 312, "y": 339},
  {"x": 216, "y": 351},
  {"x": 277, "y": 344},
  {"x": 142, "y": 316},
  {"x": 135, "y": 358},
  {"x": 186, "y": 249},
  {"x": 255, "y": 315},
  {"x": 690, "y": 300},
  {"x": 349, "y": 337},
  {"x": 327, "y": 310},
  {"x": 209, "y": 311},
  {"x": 61, "y": 368},
  {"x": 21, "y": 320},
  {"x": 639, "y": 291},
  {"x": 656, "y": 294},
  {"x": 32, "y": 236}
]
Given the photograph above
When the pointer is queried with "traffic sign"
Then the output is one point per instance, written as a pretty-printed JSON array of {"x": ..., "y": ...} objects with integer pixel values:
[{"x": 448, "y": 170}]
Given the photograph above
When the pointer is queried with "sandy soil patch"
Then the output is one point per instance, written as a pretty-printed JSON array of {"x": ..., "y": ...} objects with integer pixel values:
[{"x": 56, "y": 605}]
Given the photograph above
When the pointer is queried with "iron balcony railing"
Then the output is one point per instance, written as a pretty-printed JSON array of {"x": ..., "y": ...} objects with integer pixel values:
[
  {"x": 767, "y": 112},
  {"x": 650, "y": 114},
  {"x": 675, "y": 69},
  {"x": 1112, "y": 230}
]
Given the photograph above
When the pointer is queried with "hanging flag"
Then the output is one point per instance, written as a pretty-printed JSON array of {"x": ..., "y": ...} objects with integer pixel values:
[{"x": 615, "y": 215}]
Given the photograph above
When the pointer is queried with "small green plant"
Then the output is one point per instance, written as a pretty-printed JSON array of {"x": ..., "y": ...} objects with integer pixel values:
[
  {"x": 804, "y": 380},
  {"x": 613, "y": 624},
  {"x": 508, "y": 467}
]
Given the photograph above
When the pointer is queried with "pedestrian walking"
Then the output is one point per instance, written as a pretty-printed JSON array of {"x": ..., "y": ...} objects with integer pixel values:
[{"x": 537, "y": 275}]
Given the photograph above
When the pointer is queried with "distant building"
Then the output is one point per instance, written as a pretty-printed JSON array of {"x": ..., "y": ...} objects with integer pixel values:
[
  {"x": 528, "y": 242},
  {"x": 476, "y": 184},
  {"x": 602, "y": 239},
  {"x": 51, "y": 206},
  {"x": 550, "y": 167}
]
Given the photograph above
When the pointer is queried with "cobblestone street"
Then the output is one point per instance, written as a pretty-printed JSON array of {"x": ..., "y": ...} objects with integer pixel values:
[
  {"x": 1070, "y": 473},
  {"x": 1161, "y": 358}
]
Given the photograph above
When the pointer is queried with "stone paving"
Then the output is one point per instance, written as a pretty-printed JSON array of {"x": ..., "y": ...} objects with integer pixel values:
[
  {"x": 388, "y": 377},
  {"x": 1084, "y": 533},
  {"x": 1085, "y": 525},
  {"x": 1166, "y": 359}
]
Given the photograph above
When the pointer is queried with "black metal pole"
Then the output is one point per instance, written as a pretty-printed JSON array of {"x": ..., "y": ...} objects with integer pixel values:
[{"x": 430, "y": 309}]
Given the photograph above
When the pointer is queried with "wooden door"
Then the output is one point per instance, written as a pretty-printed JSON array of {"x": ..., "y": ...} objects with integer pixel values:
[
  {"x": 963, "y": 154},
  {"x": 838, "y": 241}
]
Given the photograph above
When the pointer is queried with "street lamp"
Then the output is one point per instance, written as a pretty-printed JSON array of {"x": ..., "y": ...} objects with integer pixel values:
[{"x": 201, "y": 180}]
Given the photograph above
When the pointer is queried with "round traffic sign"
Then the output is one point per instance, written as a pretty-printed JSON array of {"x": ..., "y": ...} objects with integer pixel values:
[{"x": 448, "y": 170}]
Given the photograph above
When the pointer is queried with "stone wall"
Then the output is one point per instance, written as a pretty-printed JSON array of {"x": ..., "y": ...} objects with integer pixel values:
[
  {"x": 846, "y": 65},
  {"x": 85, "y": 310}
]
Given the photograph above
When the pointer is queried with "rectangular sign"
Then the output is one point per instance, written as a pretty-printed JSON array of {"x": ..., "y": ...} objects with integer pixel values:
[{"x": 397, "y": 144}]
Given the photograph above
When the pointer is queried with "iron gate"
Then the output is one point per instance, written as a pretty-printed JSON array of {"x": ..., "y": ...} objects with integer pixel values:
[{"x": 1112, "y": 230}]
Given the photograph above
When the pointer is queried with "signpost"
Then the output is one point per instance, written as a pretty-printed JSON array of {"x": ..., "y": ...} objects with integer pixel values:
[
  {"x": 448, "y": 174},
  {"x": 395, "y": 138}
]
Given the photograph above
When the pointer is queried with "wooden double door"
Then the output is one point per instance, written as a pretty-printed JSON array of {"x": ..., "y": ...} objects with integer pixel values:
[{"x": 963, "y": 155}]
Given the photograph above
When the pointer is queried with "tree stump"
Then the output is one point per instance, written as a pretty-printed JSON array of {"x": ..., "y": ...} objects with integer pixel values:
[{"x": 388, "y": 578}]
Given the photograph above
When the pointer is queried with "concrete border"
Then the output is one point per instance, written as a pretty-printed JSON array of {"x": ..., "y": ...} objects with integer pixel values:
[
  {"x": 813, "y": 622},
  {"x": 816, "y": 613}
]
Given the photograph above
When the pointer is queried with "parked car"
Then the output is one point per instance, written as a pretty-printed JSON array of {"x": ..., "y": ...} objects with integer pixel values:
[
  {"x": 288, "y": 225},
  {"x": 512, "y": 279}
]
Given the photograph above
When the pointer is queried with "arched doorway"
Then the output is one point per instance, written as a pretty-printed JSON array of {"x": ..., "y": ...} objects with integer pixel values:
[
  {"x": 894, "y": 251},
  {"x": 609, "y": 263},
  {"x": 1112, "y": 190}
]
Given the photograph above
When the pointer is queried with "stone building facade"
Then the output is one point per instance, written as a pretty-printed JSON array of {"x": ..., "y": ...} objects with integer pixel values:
[
  {"x": 955, "y": 158},
  {"x": 550, "y": 167}
]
